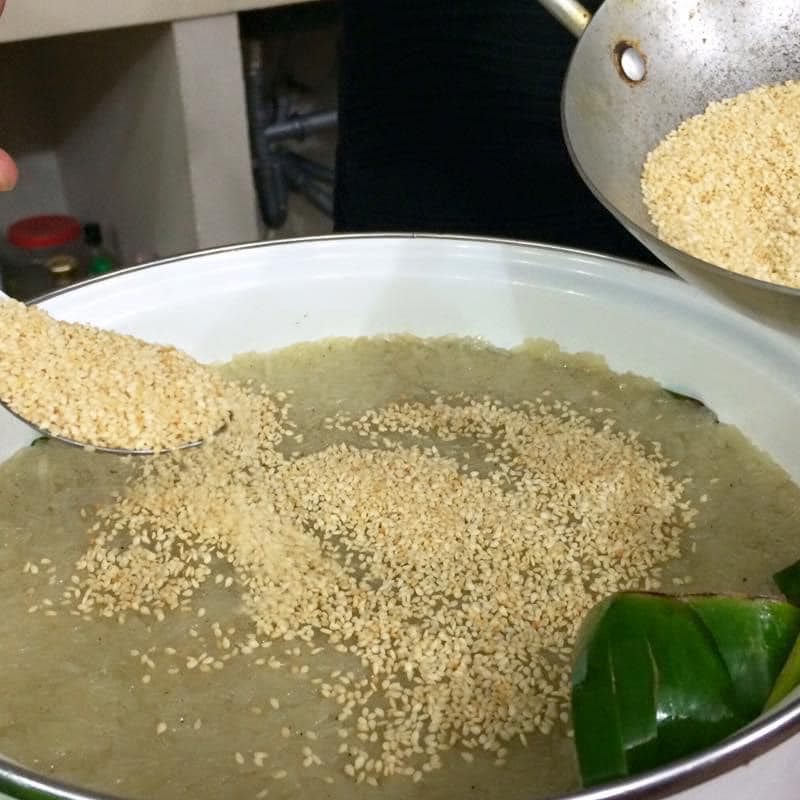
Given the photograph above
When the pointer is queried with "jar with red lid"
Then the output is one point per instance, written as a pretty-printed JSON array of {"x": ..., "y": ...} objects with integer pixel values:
[{"x": 41, "y": 254}]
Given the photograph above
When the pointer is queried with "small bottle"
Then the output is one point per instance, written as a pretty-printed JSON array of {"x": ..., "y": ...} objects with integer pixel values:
[
  {"x": 101, "y": 259},
  {"x": 31, "y": 244},
  {"x": 64, "y": 270}
]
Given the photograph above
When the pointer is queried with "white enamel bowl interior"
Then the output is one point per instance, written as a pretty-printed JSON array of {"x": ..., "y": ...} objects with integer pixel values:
[{"x": 256, "y": 298}]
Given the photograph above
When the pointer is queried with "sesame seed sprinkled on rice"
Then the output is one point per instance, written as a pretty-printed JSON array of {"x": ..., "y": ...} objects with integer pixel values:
[{"x": 458, "y": 592}]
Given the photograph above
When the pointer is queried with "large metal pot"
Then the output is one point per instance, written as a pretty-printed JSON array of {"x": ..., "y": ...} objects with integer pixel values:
[
  {"x": 258, "y": 297},
  {"x": 691, "y": 53}
]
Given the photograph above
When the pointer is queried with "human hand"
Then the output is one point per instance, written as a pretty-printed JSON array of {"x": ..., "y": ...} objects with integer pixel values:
[{"x": 8, "y": 169}]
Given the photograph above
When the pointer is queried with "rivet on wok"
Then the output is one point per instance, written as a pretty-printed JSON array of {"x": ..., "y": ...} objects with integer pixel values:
[{"x": 630, "y": 61}]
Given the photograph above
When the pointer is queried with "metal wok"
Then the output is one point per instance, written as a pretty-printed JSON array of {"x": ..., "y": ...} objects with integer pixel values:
[{"x": 641, "y": 67}]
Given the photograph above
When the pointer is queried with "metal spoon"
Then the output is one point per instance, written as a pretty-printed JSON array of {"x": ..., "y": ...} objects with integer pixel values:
[{"x": 120, "y": 451}]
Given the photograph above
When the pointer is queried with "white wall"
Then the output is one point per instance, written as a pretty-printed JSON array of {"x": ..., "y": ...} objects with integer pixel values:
[
  {"x": 29, "y": 132},
  {"x": 142, "y": 129},
  {"x": 217, "y": 141}
]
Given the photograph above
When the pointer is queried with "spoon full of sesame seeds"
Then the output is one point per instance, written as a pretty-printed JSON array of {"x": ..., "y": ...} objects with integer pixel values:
[{"x": 105, "y": 391}]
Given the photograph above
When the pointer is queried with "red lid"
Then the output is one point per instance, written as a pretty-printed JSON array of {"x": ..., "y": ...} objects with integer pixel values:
[{"x": 49, "y": 230}]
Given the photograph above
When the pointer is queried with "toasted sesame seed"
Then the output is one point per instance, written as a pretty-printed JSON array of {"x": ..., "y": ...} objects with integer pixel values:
[
  {"x": 187, "y": 403},
  {"x": 494, "y": 565},
  {"x": 161, "y": 728},
  {"x": 723, "y": 186}
]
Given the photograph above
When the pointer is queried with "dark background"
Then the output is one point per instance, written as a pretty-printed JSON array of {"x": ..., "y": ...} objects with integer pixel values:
[{"x": 449, "y": 122}]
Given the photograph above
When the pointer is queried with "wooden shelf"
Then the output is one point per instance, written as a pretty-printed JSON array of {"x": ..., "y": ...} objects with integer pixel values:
[{"x": 34, "y": 19}]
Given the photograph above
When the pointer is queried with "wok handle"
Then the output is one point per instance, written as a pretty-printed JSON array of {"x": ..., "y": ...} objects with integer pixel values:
[{"x": 570, "y": 13}]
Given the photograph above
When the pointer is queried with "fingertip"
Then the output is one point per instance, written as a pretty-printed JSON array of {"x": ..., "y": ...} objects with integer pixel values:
[{"x": 8, "y": 172}]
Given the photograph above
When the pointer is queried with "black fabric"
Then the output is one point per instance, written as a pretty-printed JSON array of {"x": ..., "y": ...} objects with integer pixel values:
[{"x": 449, "y": 122}]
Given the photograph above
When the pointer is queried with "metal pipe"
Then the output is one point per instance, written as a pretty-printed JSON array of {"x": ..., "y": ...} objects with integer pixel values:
[
  {"x": 270, "y": 182},
  {"x": 300, "y": 126},
  {"x": 570, "y": 13},
  {"x": 319, "y": 196},
  {"x": 315, "y": 170}
]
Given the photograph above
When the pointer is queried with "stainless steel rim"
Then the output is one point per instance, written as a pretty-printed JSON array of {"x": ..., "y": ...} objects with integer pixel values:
[
  {"x": 736, "y": 751},
  {"x": 334, "y": 237}
]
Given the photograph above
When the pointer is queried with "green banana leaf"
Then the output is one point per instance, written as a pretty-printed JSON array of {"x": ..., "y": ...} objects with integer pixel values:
[
  {"x": 657, "y": 677},
  {"x": 787, "y": 680},
  {"x": 754, "y": 637},
  {"x": 788, "y": 581}
]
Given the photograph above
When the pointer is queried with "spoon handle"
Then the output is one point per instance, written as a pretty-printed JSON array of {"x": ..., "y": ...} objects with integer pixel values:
[{"x": 570, "y": 13}]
